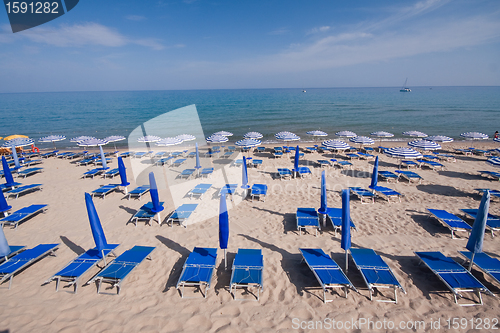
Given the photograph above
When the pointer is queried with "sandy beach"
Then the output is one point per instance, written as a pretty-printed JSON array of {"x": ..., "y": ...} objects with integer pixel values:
[{"x": 292, "y": 298}]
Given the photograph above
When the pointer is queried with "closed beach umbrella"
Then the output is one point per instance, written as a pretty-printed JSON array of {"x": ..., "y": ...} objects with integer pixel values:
[
  {"x": 494, "y": 161},
  {"x": 253, "y": 135},
  {"x": 149, "y": 138},
  {"x": 323, "y": 201},
  {"x": 224, "y": 133},
  {"x": 403, "y": 153},
  {"x": 94, "y": 143},
  {"x": 424, "y": 144},
  {"x": 476, "y": 238},
  {"x": 382, "y": 134},
  {"x": 155, "y": 199},
  {"x": 197, "y": 165},
  {"x": 114, "y": 139},
  {"x": 123, "y": 174},
  {"x": 296, "y": 160},
  {"x": 244, "y": 176},
  {"x": 374, "y": 182},
  {"x": 52, "y": 138},
  {"x": 346, "y": 134},
  {"x": 415, "y": 134},
  {"x": 15, "y": 143},
  {"x": 217, "y": 138},
  {"x": 474, "y": 136},
  {"x": 186, "y": 137},
  {"x": 345, "y": 242},
  {"x": 9, "y": 180},
  {"x": 4, "y": 207},
  {"x": 172, "y": 141},
  {"x": 223, "y": 226},
  {"x": 95, "y": 226},
  {"x": 439, "y": 138},
  {"x": 81, "y": 138},
  {"x": 362, "y": 140},
  {"x": 4, "y": 245}
]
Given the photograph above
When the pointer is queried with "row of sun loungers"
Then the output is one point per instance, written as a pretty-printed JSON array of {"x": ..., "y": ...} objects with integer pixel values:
[
  {"x": 21, "y": 215},
  {"x": 308, "y": 218}
]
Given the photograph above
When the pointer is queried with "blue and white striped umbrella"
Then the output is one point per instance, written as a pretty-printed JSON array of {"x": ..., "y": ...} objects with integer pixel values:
[
  {"x": 496, "y": 139},
  {"x": 402, "y": 152},
  {"x": 424, "y": 144},
  {"x": 415, "y": 134},
  {"x": 382, "y": 134},
  {"x": 317, "y": 133},
  {"x": 52, "y": 138},
  {"x": 495, "y": 161},
  {"x": 217, "y": 138},
  {"x": 248, "y": 143},
  {"x": 186, "y": 137},
  {"x": 364, "y": 140},
  {"x": 149, "y": 138},
  {"x": 287, "y": 136},
  {"x": 114, "y": 138},
  {"x": 169, "y": 142},
  {"x": 474, "y": 136},
  {"x": 92, "y": 142},
  {"x": 223, "y": 133},
  {"x": 81, "y": 138},
  {"x": 253, "y": 135},
  {"x": 19, "y": 142},
  {"x": 335, "y": 144},
  {"x": 439, "y": 138},
  {"x": 346, "y": 134}
]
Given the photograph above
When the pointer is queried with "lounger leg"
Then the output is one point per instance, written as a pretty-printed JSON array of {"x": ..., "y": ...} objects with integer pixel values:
[{"x": 57, "y": 284}]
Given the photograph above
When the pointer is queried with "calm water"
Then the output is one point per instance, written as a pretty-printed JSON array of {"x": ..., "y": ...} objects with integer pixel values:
[{"x": 438, "y": 110}]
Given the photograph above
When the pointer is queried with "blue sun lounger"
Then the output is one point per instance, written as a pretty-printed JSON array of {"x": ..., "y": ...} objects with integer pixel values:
[
  {"x": 138, "y": 192},
  {"x": 112, "y": 173},
  {"x": 492, "y": 221},
  {"x": 116, "y": 272},
  {"x": 259, "y": 190},
  {"x": 366, "y": 156},
  {"x": 145, "y": 214},
  {"x": 23, "y": 189},
  {"x": 199, "y": 190},
  {"x": 492, "y": 174},
  {"x": 14, "y": 249},
  {"x": 5, "y": 187},
  {"x": 206, "y": 172},
  {"x": 181, "y": 214},
  {"x": 353, "y": 156},
  {"x": 93, "y": 172},
  {"x": 343, "y": 164},
  {"x": 186, "y": 173},
  {"x": 387, "y": 176},
  {"x": 453, "y": 275},
  {"x": 324, "y": 163},
  {"x": 452, "y": 222},
  {"x": 493, "y": 193},
  {"x": 228, "y": 189},
  {"x": 22, "y": 214},
  {"x": 163, "y": 161},
  {"x": 386, "y": 193},
  {"x": 364, "y": 195},
  {"x": 24, "y": 259},
  {"x": 284, "y": 173},
  {"x": 247, "y": 271},
  {"x": 410, "y": 176},
  {"x": 28, "y": 172},
  {"x": 335, "y": 217},
  {"x": 326, "y": 271},
  {"x": 307, "y": 218},
  {"x": 431, "y": 164},
  {"x": 104, "y": 190},
  {"x": 49, "y": 154},
  {"x": 141, "y": 154},
  {"x": 76, "y": 268},
  {"x": 487, "y": 264},
  {"x": 409, "y": 164},
  {"x": 178, "y": 162},
  {"x": 303, "y": 171},
  {"x": 198, "y": 270},
  {"x": 125, "y": 154},
  {"x": 375, "y": 271}
]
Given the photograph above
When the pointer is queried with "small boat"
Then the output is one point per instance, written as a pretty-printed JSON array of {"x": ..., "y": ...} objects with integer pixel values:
[
  {"x": 405, "y": 89},
  {"x": 303, "y": 91}
]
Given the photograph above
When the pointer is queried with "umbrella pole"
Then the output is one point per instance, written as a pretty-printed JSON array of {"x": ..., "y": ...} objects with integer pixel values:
[
  {"x": 225, "y": 259},
  {"x": 346, "y": 261},
  {"x": 103, "y": 258},
  {"x": 126, "y": 190},
  {"x": 159, "y": 219},
  {"x": 323, "y": 216},
  {"x": 471, "y": 262}
]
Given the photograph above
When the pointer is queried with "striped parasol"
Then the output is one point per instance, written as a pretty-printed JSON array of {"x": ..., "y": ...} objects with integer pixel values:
[
  {"x": 402, "y": 152},
  {"x": 171, "y": 141},
  {"x": 253, "y": 135},
  {"x": 217, "y": 138},
  {"x": 149, "y": 138},
  {"x": 474, "y": 136},
  {"x": 382, "y": 134},
  {"x": 494, "y": 161},
  {"x": 186, "y": 137},
  {"x": 415, "y": 134},
  {"x": 439, "y": 138},
  {"x": 424, "y": 144},
  {"x": 346, "y": 134},
  {"x": 363, "y": 140}
]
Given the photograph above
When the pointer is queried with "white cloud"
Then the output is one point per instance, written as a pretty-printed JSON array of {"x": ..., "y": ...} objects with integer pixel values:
[{"x": 318, "y": 30}]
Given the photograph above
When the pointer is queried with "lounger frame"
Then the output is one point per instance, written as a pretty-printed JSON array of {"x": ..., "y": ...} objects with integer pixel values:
[
  {"x": 181, "y": 284},
  {"x": 259, "y": 269}
]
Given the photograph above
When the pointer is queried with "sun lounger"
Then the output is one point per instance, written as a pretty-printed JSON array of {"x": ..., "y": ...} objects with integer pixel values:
[
  {"x": 409, "y": 164},
  {"x": 176, "y": 154},
  {"x": 112, "y": 173},
  {"x": 159, "y": 154},
  {"x": 198, "y": 270},
  {"x": 344, "y": 164},
  {"x": 74, "y": 155},
  {"x": 492, "y": 221},
  {"x": 492, "y": 174},
  {"x": 453, "y": 275},
  {"x": 98, "y": 161},
  {"x": 186, "y": 173},
  {"x": 465, "y": 152},
  {"x": 256, "y": 162},
  {"x": 22, "y": 214},
  {"x": 238, "y": 162},
  {"x": 116, "y": 272},
  {"x": 178, "y": 162},
  {"x": 24, "y": 259},
  {"x": 92, "y": 173},
  {"x": 487, "y": 264},
  {"x": 206, "y": 172},
  {"x": 65, "y": 154},
  {"x": 163, "y": 161},
  {"x": 145, "y": 214},
  {"x": 259, "y": 190},
  {"x": 228, "y": 189},
  {"x": 493, "y": 193},
  {"x": 14, "y": 249},
  {"x": 86, "y": 161},
  {"x": 21, "y": 190},
  {"x": 126, "y": 154},
  {"x": 366, "y": 156},
  {"x": 76, "y": 268},
  {"x": 386, "y": 193},
  {"x": 138, "y": 192},
  {"x": 452, "y": 222},
  {"x": 387, "y": 176},
  {"x": 375, "y": 271},
  {"x": 141, "y": 154},
  {"x": 284, "y": 173},
  {"x": 431, "y": 157},
  {"x": 431, "y": 164},
  {"x": 277, "y": 154},
  {"x": 49, "y": 154},
  {"x": 368, "y": 150},
  {"x": 199, "y": 190},
  {"x": 247, "y": 271},
  {"x": 303, "y": 172},
  {"x": 28, "y": 163},
  {"x": 28, "y": 172},
  {"x": 335, "y": 217},
  {"x": 307, "y": 218},
  {"x": 326, "y": 271},
  {"x": 447, "y": 157},
  {"x": 227, "y": 154},
  {"x": 104, "y": 190},
  {"x": 181, "y": 214},
  {"x": 364, "y": 195},
  {"x": 353, "y": 156},
  {"x": 8, "y": 187},
  {"x": 410, "y": 176},
  {"x": 480, "y": 152},
  {"x": 324, "y": 163}
]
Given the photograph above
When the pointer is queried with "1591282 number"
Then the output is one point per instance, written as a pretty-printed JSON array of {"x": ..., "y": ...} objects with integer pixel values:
[{"x": 32, "y": 7}]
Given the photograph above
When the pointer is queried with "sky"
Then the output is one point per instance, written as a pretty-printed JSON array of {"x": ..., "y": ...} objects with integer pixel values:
[{"x": 205, "y": 44}]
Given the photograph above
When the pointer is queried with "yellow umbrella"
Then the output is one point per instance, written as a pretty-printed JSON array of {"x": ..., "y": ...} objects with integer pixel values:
[{"x": 15, "y": 136}]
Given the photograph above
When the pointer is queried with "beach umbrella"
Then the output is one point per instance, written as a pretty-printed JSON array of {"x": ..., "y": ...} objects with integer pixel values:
[
  {"x": 296, "y": 160},
  {"x": 415, "y": 134},
  {"x": 4, "y": 207},
  {"x": 494, "y": 161},
  {"x": 223, "y": 133},
  {"x": 9, "y": 180},
  {"x": 496, "y": 139},
  {"x": 476, "y": 238},
  {"x": 94, "y": 143},
  {"x": 15, "y": 143},
  {"x": 474, "y": 136},
  {"x": 155, "y": 199},
  {"x": 171, "y": 141},
  {"x": 248, "y": 143},
  {"x": 52, "y": 138},
  {"x": 81, "y": 138},
  {"x": 149, "y": 138},
  {"x": 114, "y": 139},
  {"x": 4, "y": 245},
  {"x": 253, "y": 135},
  {"x": 346, "y": 134},
  {"x": 223, "y": 226},
  {"x": 345, "y": 242},
  {"x": 323, "y": 201},
  {"x": 123, "y": 173},
  {"x": 15, "y": 136},
  {"x": 335, "y": 144},
  {"x": 186, "y": 137},
  {"x": 424, "y": 144},
  {"x": 439, "y": 138},
  {"x": 374, "y": 174},
  {"x": 95, "y": 226},
  {"x": 287, "y": 136},
  {"x": 244, "y": 177},
  {"x": 402, "y": 153},
  {"x": 197, "y": 164},
  {"x": 382, "y": 134},
  {"x": 317, "y": 133},
  {"x": 214, "y": 138},
  {"x": 362, "y": 140}
]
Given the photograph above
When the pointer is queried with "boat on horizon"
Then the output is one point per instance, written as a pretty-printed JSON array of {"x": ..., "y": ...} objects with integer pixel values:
[{"x": 405, "y": 88}]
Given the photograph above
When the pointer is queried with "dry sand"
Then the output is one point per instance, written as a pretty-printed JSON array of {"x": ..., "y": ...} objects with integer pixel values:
[{"x": 149, "y": 301}]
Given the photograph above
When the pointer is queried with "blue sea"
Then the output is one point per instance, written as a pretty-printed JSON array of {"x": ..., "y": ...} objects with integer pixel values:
[{"x": 434, "y": 110}]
